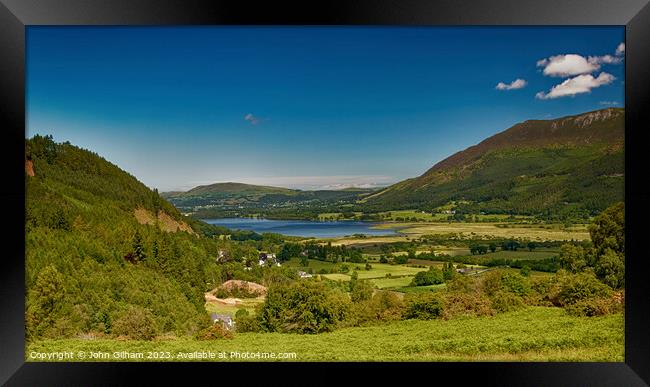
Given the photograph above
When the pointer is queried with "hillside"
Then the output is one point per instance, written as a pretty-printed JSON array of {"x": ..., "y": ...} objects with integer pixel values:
[
  {"x": 237, "y": 196},
  {"x": 571, "y": 165},
  {"x": 236, "y": 188},
  {"x": 104, "y": 253}
]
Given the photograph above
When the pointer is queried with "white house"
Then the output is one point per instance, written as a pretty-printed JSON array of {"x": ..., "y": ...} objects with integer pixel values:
[
  {"x": 264, "y": 258},
  {"x": 224, "y": 319}
]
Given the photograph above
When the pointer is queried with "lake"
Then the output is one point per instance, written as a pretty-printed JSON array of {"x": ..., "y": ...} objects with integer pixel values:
[{"x": 305, "y": 228}]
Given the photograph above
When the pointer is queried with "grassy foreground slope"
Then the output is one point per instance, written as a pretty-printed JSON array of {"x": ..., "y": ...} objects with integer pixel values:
[{"x": 532, "y": 334}]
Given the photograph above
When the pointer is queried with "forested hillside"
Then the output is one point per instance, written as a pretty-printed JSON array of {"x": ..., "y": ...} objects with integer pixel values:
[
  {"x": 234, "y": 199},
  {"x": 92, "y": 266},
  {"x": 572, "y": 166}
]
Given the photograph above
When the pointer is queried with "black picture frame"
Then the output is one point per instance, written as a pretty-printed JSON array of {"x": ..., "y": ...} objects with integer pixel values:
[{"x": 15, "y": 15}]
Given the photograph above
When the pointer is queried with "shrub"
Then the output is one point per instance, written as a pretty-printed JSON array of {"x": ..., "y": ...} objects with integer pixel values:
[
  {"x": 466, "y": 304},
  {"x": 544, "y": 291},
  {"x": 607, "y": 230},
  {"x": 423, "y": 306},
  {"x": 383, "y": 306},
  {"x": 461, "y": 284},
  {"x": 448, "y": 271},
  {"x": 214, "y": 332},
  {"x": 401, "y": 259},
  {"x": 430, "y": 277},
  {"x": 516, "y": 283},
  {"x": 499, "y": 280},
  {"x": 360, "y": 290},
  {"x": 387, "y": 306},
  {"x": 503, "y": 301},
  {"x": 136, "y": 323},
  {"x": 303, "y": 307},
  {"x": 594, "y": 306},
  {"x": 574, "y": 288},
  {"x": 610, "y": 268},
  {"x": 248, "y": 323},
  {"x": 241, "y": 313},
  {"x": 572, "y": 258}
]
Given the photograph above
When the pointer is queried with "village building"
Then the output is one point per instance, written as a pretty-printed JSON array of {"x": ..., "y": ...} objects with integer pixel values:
[
  {"x": 268, "y": 258},
  {"x": 304, "y": 274},
  {"x": 224, "y": 319},
  {"x": 223, "y": 256}
]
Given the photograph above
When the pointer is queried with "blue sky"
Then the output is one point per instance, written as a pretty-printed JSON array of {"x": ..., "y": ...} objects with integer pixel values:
[{"x": 306, "y": 107}]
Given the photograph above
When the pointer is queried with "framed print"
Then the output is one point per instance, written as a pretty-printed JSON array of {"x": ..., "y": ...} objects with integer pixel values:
[{"x": 452, "y": 188}]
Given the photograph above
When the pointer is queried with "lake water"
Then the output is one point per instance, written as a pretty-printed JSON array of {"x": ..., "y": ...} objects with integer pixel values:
[{"x": 305, "y": 228}]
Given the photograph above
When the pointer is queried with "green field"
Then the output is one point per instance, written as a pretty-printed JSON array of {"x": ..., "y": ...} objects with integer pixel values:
[
  {"x": 520, "y": 254},
  {"x": 409, "y": 214},
  {"x": 313, "y": 264},
  {"x": 533, "y": 273},
  {"x": 419, "y": 289},
  {"x": 401, "y": 275},
  {"x": 532, "y": 334},
  {"x": 451, "y": 251},
  {"x": 337, "y": 277},
  {"x": 386, "y": 283},
  {"x": 379, "y": 270},
  {"x": 425, "y": 262}
]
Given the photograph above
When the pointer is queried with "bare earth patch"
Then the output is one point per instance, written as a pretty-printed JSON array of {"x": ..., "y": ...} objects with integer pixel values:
[
  {"x": 29, "y": 168},
  {"x": 252, "y": 286},
  {"x": 209, "y": 297},
  {"x": 164, "y": 221}
]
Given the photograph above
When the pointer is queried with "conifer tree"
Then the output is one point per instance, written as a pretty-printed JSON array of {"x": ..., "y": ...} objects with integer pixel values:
[
  {"x": 44, "y": 298},
  {"x": 138, "y": 248}
]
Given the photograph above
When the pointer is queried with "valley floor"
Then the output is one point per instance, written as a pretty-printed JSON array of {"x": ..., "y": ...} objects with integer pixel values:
[
  {"x": 532, "y": 334},
  {"x": 537, "y": 232}
]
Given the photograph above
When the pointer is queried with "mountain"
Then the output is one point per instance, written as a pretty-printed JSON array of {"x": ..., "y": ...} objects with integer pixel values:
[
  {"x": 237, "y": 196},
  {"x": 104, "y": 254},
  {"x": 570, "y": 165},
  {"x": 237, "y": 188}
]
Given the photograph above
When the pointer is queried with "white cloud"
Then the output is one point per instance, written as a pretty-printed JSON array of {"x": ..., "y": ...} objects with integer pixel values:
[
  {"x": 542, "y": 62},
  {"x": 567, "y": 65},
  {"x": 573, "y": 64},
  {"x": 252, "y": 119},
  {"x": 516, "y": 84},
  {"x": 607, "y": 59},
  {"x": 577, "y": 85},
  {"x": 580, "y": 68},
  {"x": 608, "y": 103},
  {"x": 620, "y": 50}
]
